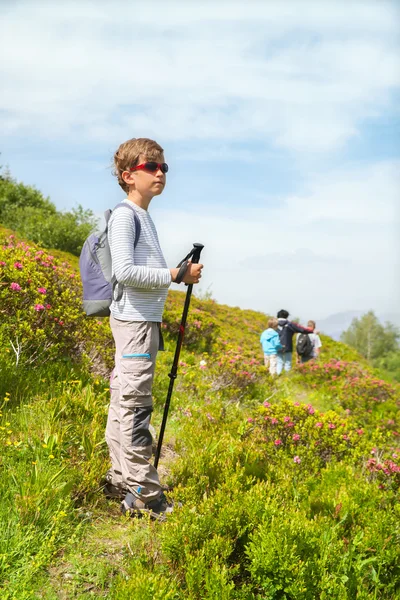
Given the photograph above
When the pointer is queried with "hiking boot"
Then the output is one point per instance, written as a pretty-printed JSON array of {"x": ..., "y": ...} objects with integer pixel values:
[
  {"x": 157, "y": 509},
  {"x": 112, "y": 490}
]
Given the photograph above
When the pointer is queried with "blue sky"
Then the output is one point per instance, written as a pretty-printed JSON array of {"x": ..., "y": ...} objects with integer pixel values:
[{"x": 280, "y": 122}]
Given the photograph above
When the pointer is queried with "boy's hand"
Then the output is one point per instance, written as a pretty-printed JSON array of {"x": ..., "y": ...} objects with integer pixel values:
[{"x": 193, "y": 273}]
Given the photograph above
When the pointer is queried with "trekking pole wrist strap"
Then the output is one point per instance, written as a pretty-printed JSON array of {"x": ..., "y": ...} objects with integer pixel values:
[{"x": 182, "y": 271}]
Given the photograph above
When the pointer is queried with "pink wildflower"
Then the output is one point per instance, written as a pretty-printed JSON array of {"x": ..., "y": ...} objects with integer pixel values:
[
  {"x": 18, "y": 266},
  {"x": 319, "y": 424},
  {"x": 296, "y": 403},
  {"x": 286, "y": 419},
  {"x": 274, "y": 421},
  {"x": 296, "y": 437},
  {"x": 297, "y": 459},
  {"x": 278, "y": 442},
  {"x": 15, "y": 287},
  {"x": 42, "y": 290},
  {"x": 266, "y": 404},
  {"x": 332, "y": 426},
  {"x": 2, "y": 263},
  {"x": 48, "y": 306},
  {"x": 250, "y": 420},
  {"x": 311, "y": 411},
  {"x": 360, "y": 431},
  {"x": 38, "y": 307}
]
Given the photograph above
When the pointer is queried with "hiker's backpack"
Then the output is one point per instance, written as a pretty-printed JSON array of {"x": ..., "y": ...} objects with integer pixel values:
[
  {"x": 304, "y": 345},
  {"x": 96, "y": 269},
  {"x": 282, "y": 335}
]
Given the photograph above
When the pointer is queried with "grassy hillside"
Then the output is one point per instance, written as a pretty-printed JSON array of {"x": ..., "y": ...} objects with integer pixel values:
[{"x": 289, "y": 488}]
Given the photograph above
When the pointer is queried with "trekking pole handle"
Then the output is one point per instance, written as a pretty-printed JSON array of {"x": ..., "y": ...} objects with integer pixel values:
[
  {"x": 194, "y": 257},
  {"x": 197, "y": 248}
]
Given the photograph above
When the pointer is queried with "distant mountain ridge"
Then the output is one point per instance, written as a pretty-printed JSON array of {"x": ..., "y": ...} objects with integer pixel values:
[{"x": 334, "y": 325}]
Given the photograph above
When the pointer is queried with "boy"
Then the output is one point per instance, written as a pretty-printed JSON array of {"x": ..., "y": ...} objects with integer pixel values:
[
  {"x": 316, "y": 344},
  {"x": 271, "y": 344},
  {"x": 136, "y": 313},
  {"x": 286, "y": 330}
]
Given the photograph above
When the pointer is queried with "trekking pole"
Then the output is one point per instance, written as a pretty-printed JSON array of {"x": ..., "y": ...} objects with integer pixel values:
[{"x": 194, "y": 254}]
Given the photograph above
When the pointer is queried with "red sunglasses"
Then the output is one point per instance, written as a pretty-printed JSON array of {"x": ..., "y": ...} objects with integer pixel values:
[{"x": 152, "y": 167}]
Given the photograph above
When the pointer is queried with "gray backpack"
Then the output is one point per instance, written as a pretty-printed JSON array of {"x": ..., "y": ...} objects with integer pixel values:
[{"x": 96, "y": 269}]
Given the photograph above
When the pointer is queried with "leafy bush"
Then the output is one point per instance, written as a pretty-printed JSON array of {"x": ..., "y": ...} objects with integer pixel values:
[
  {"x": 34, "y": 217},
  {"x": 41, "y": 297}
]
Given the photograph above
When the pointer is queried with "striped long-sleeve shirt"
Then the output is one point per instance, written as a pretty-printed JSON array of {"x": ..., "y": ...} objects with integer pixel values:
[{"x": 142, "y": 270}]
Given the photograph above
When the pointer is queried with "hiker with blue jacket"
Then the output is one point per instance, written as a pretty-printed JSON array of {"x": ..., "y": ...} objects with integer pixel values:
[
  {"x": 271, "y": 344},
  {"x": 286, "y": 330}
]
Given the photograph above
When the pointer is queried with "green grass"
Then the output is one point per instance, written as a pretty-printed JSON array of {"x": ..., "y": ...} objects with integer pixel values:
[{"x": 61, "y": 539}]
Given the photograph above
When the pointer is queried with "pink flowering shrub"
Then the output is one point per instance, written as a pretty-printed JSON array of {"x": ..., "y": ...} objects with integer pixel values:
[
  {"x": 201, "y": 329},
  {"x": 314, "y": 439},
  {"x": 386, "y": 472},
  {"x": 41, "y": 309},
  {"x": 357, "y": 389},
  {"x": 234, "y": 372}
]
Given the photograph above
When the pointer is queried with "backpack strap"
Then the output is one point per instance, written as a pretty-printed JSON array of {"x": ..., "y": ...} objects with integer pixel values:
[{"x": 138, "y": 229}]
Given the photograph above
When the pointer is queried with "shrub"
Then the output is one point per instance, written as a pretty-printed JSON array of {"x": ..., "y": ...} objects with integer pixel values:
[
  {"x": 25, "y": 209},
  {"x": 40, "y": 296}
]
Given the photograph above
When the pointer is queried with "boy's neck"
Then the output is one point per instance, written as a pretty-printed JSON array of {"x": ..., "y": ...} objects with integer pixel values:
[{"x": 138, "y": 199}]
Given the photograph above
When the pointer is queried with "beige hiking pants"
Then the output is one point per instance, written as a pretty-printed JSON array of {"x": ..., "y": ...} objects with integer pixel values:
[
  {"x": 271, "y": 361},
  {"x": 127, "y": 434}
]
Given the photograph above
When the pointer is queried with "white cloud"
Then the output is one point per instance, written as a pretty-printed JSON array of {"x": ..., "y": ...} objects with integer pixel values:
[
  {"x": 333, "y": 249},
  {"x": 302, "y": 74},
  {"x": 358, "y": 194}
]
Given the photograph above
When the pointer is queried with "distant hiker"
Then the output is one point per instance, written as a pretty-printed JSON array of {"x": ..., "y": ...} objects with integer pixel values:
[
  {"x": 286, "y": 330},
  {"x": 308, "y": 344},
  {"x": 271, "y": 344},
  {"x": 136, "y": 313}
]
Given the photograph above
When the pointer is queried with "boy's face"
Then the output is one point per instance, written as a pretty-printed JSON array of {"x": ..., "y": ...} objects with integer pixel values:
[{"x": 147, "y": 183}]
